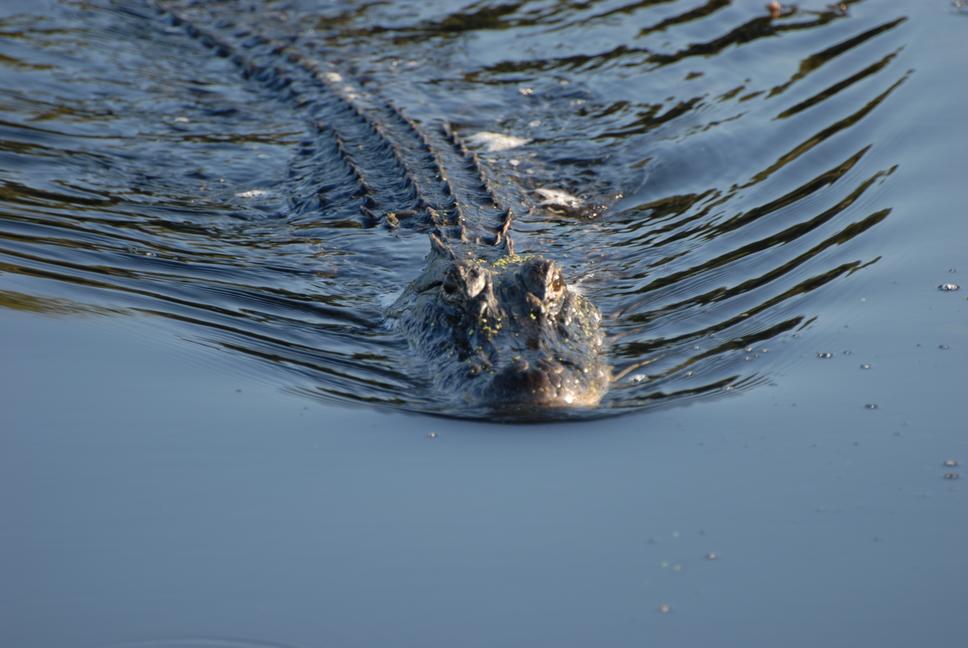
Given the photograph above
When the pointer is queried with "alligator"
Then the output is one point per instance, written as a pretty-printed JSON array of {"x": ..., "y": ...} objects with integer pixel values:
[
  {"x": 497, "y": 331},
  {"x": 507, "y": 334}
]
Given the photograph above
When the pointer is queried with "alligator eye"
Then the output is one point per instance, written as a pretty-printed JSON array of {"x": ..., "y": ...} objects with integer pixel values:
[{"x": 557, "y": 283}]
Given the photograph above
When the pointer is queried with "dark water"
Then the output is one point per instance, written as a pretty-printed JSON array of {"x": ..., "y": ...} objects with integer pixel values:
[
  {"x": 201, "y": 444},
  {"x": 747, "y": 187}
]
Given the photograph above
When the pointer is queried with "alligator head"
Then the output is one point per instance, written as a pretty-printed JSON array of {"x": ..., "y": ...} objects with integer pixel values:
[{"x": 508, "y": 335}]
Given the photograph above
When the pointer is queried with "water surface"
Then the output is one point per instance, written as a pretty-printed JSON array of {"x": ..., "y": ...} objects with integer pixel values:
[{"x": 202, "y": 428}]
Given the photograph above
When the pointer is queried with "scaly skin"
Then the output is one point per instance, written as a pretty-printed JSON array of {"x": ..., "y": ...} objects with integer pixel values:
[
  {"x": 503, "y": 336},
  {"x": 508, "y": 336}
]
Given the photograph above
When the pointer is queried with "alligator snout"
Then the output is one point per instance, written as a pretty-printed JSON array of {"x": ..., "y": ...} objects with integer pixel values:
[{"x": 548, "y": 385}]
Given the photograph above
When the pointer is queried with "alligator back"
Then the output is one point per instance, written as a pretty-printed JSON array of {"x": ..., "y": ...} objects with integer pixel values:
[{"x": 494, "y": 331}]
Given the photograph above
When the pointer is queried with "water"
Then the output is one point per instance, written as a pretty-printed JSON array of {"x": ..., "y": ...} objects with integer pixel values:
[
  {"x": 736, "y": 193},
  {"x": 203, "y": 429}
]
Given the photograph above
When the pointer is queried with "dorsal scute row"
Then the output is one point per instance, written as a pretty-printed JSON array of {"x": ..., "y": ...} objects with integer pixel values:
[{"x": 401, "y": 173}]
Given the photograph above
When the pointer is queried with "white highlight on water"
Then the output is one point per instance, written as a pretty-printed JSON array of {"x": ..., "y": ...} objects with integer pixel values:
[
  {"x": 253, "y": 193},
  {"x": 493, "y": 142},
  {"x": 559, "y": 198}
]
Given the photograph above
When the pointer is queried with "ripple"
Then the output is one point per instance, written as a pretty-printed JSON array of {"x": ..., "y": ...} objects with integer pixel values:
[{"x": 710, "y": 173}]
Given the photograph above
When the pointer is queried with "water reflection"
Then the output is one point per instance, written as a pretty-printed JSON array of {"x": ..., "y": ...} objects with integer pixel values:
[{"x": 151, "y": 175}]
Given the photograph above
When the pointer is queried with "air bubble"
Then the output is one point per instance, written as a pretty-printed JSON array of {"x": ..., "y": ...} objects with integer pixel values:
[
  {"x": 950, "y": 463},
  {"x": 949, "y": 287},
  {"x": 664, "y": 608},
  {"x": 825, "y": 355},
  {"x": 866, "y": 365},
  {"x": 951, "y": 476},
  {"x": 712, "y": 555},
  {"x": 871, "y": 406}
]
